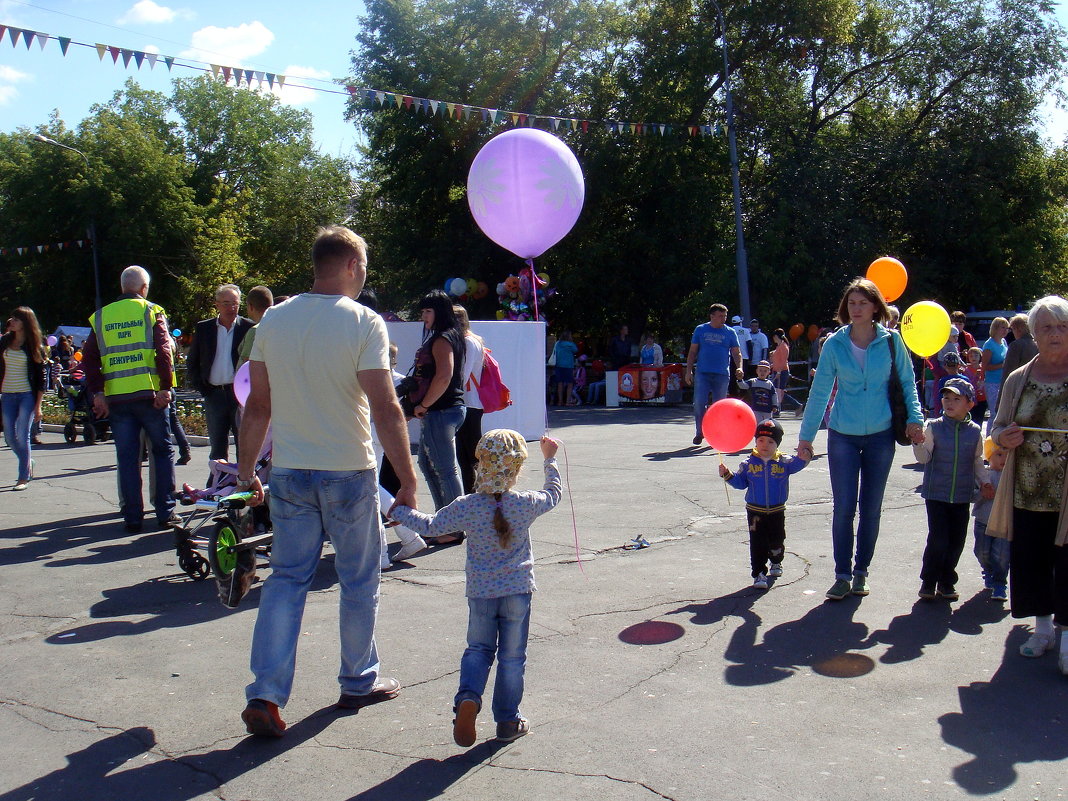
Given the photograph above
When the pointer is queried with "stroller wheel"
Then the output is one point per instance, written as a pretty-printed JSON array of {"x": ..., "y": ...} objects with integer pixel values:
[
  {"x": 223, "y": 537},
  {"x": 70, "y": 433},
  {"x": 89, "y": 434},
  {"x": 194, "y": 565}
]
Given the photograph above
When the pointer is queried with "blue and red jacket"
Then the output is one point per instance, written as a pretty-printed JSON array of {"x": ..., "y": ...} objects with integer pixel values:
[{"x": 767, "y": 483}]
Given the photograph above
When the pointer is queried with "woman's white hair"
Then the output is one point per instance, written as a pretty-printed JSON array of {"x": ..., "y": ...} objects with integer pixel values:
[{"x": 1053, "y": 305}]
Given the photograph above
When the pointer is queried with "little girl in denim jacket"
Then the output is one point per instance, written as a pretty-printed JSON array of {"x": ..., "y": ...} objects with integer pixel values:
[{"x": 500, "y": 575}]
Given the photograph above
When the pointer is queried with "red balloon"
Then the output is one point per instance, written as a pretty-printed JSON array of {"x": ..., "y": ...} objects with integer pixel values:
[{"x": 729, "y": 425}]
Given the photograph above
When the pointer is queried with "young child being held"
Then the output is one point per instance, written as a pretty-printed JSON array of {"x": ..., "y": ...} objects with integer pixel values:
[
  {"x": 765, "y": 476},
  {"x": 500, "y": 576},
  {"x": 763, "y": 397},
  {"x": 952, "y": 458},
  {"x": 992, "y": 552}
]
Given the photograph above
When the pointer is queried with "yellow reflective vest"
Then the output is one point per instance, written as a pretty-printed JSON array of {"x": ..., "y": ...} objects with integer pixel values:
[{"x": 127, "y": 350}]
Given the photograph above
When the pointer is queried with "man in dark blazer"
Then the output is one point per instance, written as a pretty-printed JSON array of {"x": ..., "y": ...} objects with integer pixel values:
[{"x": 211, "y": 368}]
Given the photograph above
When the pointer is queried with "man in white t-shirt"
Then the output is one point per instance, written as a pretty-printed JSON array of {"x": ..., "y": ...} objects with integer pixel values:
[
  {"x": 743, "y": 339},
  {"x": 319, "y": 369}
]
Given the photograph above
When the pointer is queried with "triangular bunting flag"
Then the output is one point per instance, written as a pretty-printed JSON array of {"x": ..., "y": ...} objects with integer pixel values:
[
  {"x": 513, "y": 117},
  {"x": 270, "y": 79},
  {"x": 380, "y": 97},
  {"x": 215, "y": 69},
  {"x": 169, "y": 61},
  {"x": 100, "y": 50},
  {"x": 449, "y": 107},
  {"x": 139, "y": 58},
  {"x": 259, "y": 77},
  {"x": 42, "y": 39},
  {"x": 60, "y": 245},
  {"x": 151, "y": 60},
  {"x": 281, "y": 80},
  {"x": 27, "y": 37},
  {"x": 14, "y": 34},
  {"x": 64, "y": 43},
  {"x": 80, "y": 241},
  {"x": 21, "y": 250},
  {"x": 467, "y": 111},
  {"x": 399, "y": 100},
  {"x": 40, "y": 248},
  {"x": 408, "y": 100},
  {"x": 226, "y": 74},
  {"x": 126, "y": 56},
  {"x": 115, "y": 53},
  {"x": 555, "y": 123},
  {"x": 434, "y": 107},
  {"x": 3, "y": 29},
  {"x": 249, "y": 75}
]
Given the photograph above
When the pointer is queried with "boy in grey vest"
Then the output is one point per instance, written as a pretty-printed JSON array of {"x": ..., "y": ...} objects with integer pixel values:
[{"x": 952, "y": 458}]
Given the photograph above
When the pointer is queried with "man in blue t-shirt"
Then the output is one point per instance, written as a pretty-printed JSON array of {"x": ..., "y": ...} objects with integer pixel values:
[{"x": 714, "y": 347}]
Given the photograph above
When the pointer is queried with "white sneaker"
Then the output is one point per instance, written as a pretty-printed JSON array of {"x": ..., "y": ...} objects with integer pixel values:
[
  {"x": 410, "y": 548},
  {"x": 776, "y": 570},
  {"x": 760, "y": 582},
  {"x": 21, "y": 486}
]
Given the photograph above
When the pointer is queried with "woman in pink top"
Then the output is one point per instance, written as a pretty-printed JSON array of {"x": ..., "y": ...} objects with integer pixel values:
[{"x": 780, "y": 362}]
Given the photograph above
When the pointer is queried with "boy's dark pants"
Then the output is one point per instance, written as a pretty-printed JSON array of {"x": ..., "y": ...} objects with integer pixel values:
[
  {"x": 767, "y": 538},
  {"x": 947, "y": 530}
]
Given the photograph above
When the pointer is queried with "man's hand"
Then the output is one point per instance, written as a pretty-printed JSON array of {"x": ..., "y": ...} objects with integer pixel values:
[
  {"x": 100, "y": 406},
  {"x": 405, "y": 497},
  {"x": 256, "y": 488},
  {"x": 688, "y": 376},
  {"x": 162, "y": 399}
]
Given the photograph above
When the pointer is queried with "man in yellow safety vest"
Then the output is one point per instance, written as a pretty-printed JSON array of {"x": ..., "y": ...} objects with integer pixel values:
[{"x": 128, "y": 368}]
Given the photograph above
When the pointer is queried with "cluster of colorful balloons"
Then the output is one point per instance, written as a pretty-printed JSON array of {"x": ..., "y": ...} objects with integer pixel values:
[
  {"x": 924, "y": 325},
  {"x": 464, "y": 288},
  {"x": 517, "y": 294}
]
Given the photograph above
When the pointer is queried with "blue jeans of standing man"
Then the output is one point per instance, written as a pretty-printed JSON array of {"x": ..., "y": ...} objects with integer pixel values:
[
  {"x": 127, "y": 421},
  {"x": 18, "y": 416},
  {"x": 496, "y": 627},
  {"x": 437, "y": 454},
  {"x": 307, "y": 507},
  {"x": 703, "y": 384},
  {"x": 859, "y": 466}
]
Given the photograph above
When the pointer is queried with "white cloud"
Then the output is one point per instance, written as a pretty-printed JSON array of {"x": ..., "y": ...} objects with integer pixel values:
[
  {"x": 229, "y": 46},
  {"x": 149, "y": 13},
  {"x": 295, "y": 95},
  {"x": 151, "y": 49},
  {"x": 9, "y": 76}
]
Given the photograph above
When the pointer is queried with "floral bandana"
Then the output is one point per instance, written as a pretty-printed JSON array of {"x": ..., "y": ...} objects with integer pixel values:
[{"x": 501, "y": 453}]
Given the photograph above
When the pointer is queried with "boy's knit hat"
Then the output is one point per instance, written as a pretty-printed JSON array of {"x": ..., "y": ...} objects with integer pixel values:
[
  {"x": 960, "y": 386},
  {"x": 770, "y": 428},
  {"x": 951, "y": 358},
  {"x": 500, "y": 453}
]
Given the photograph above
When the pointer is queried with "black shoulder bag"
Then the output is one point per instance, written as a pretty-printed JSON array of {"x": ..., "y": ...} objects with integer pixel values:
[{"x": 898, "y": 411}]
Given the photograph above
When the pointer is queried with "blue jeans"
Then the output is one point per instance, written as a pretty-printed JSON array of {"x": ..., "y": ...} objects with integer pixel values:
[
  {"x": 993, "y": 556},
  {"x": 18, "y": 416},
  {"x": 859, "y": 466},
  {"x": 307, "y": 507},
  {"x": 496, "y": 626},
  {"x": 703, "y": 384},
  {"x": 437, "y": 454},
  {"x": 127, "y": 421}
]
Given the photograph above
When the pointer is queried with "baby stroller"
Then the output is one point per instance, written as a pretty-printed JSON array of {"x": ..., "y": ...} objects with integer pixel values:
[
  {"x": 237, "y": 532},
  {"x": 72, "y": 388}
]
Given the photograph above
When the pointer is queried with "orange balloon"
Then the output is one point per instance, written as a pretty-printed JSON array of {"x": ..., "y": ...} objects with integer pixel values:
[
  {"x": 813, "y": 332},
  {"x": 77, "y": 355},
  {"x": 890, "y": 276},
  {"x": 796, "y": 330}
]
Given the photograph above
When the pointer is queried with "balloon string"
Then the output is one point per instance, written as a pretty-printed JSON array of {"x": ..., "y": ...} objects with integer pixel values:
[
  {"x": 533, "y": 287},
  {"x": 726, "y": 491},
  {"x": 571, "y": 501}
]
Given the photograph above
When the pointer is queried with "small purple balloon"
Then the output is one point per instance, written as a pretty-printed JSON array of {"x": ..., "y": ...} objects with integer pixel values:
[
  {"x": 52, "y": 341},
  {"x": 242, "y": 384},
  {"x": 525, "y": 190}
]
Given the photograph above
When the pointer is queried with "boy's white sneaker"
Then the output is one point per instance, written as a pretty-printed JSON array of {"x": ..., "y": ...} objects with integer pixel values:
[
  {"x": 410, "y": 548},
  {"x": 776, "y": 570},
  {"x": 760, "y": 582}
]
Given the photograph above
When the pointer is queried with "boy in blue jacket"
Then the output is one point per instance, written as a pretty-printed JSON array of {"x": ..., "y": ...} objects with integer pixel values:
[
  {"x": 765, "y": 476},
  {"x": 952, "y": 458}
]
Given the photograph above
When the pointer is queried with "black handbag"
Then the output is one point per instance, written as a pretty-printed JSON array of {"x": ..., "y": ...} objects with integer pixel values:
[{"x": 899, "y": 414}]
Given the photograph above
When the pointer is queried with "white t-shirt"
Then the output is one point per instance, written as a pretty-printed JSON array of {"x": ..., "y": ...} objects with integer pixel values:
[
  {"x": 474, "y": 357},
  {"x": 313, "y": 346}
]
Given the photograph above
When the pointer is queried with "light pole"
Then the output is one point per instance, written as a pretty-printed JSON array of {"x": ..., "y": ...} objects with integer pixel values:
[
  {"x": 92, "y": 223},
  {"x": 740, "y": 258}
]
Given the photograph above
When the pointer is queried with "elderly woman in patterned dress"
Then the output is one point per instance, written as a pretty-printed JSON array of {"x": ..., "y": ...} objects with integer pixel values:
[{"x": 1029, "y": 509}]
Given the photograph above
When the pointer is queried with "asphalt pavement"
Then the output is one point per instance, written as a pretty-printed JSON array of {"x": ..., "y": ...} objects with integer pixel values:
[{"x": 652, "y": 673}]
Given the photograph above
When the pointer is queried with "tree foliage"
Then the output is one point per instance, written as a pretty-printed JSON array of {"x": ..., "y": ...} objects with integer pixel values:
[
  {"x": 864, "y": 128},
  {"x": 209, "y": 184}
]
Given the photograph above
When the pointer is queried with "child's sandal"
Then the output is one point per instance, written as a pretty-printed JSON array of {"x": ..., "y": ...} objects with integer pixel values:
[
  {"x": 463, "y": 725},
  {"x": 1036, "y": 645}
]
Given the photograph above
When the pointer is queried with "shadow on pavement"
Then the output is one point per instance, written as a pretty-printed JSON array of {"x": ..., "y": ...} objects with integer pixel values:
[
  {"x": 1020, "y": 715},
  {"x": 96, "y": 772},
  {"x": 59, "y": 535},
  {"x": 430, "y": 778}
]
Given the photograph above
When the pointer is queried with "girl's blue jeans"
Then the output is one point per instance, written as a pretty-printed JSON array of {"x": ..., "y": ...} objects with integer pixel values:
[
  {"x": 859, "y": 467},
  {"x": 496, "y": 626},
  {"x": 18, "y": 416}
]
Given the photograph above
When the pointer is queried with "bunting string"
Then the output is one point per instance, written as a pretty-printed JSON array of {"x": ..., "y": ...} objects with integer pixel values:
[
  {"x": 372, "y": 98},
  {"x": 39, "y": 249}
]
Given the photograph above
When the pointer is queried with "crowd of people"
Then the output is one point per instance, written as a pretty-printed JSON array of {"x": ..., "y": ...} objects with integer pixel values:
[{"x": 325, "y": 472}]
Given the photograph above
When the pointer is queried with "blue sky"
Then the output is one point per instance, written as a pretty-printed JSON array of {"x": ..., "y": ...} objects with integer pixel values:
[{"x": 308, "y": 43}]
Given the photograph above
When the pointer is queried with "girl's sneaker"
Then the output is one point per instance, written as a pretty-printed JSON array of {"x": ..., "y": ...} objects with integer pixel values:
[
  {"x": 999, "y": 594},
  {"x": 760, "y": 582},
  {"x": 776, "y": 570}
]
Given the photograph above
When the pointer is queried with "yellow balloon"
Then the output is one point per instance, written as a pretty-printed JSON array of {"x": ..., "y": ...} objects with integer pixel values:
[{"x": 925, "y": 327}]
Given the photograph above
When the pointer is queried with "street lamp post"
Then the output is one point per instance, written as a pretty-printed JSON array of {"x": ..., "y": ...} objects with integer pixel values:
[
  {"x": 741, "y": 260},
  {"x": 92, "y": 223}
]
